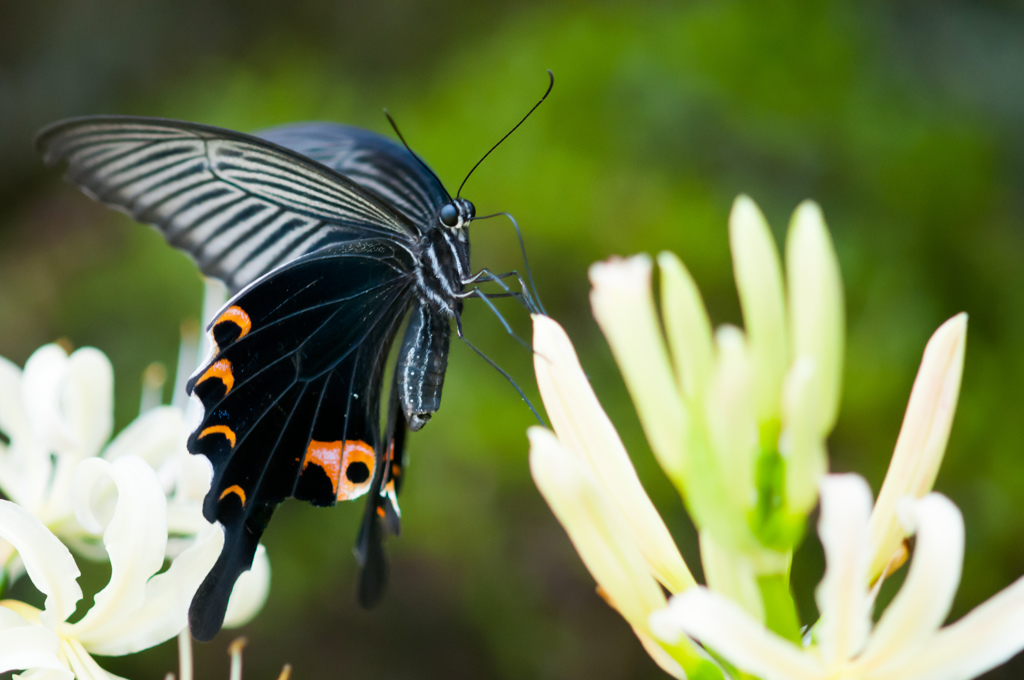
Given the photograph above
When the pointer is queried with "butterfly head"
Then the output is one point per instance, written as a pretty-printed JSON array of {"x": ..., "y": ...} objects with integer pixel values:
[{"x": 457, "y": 214}]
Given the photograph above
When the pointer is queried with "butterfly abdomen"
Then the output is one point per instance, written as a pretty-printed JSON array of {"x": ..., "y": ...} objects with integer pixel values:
[{"x": 422, "y": 361}]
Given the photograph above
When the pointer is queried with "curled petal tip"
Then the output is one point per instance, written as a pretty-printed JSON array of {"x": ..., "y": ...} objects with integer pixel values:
[{"x": 620, "y": 271}]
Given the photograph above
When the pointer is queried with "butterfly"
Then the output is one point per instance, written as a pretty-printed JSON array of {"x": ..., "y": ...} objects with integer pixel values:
[{"x": 327, "y": 237}]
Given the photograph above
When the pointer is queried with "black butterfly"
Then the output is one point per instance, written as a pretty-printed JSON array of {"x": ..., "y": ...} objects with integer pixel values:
[{"x": 327, "y": 236}]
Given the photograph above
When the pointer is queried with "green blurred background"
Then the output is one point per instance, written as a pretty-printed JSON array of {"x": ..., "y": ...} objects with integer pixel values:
[{"x": 903, "y": 120}]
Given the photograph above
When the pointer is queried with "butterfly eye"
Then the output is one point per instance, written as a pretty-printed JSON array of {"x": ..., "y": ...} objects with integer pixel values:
[
  {"x": 471, "y": 210},
  {"x": 450, "y": 215}
]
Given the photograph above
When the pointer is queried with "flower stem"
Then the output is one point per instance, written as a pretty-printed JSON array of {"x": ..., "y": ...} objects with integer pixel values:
[{"x": 780, "y": 609}]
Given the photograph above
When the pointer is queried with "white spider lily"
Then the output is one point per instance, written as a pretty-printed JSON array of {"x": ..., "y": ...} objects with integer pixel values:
[
  {"x": 137, "y": 609},
  {"x": 720, "y": 409},
  {"x": 56, "y": 414},
  {"x": 59, "y": 412},
  {"x": 737, "y": 418},
  {"x": 586, "y": 476},
  {"x": 922, "y": 441},
  {"x": 907, "y": 643}
]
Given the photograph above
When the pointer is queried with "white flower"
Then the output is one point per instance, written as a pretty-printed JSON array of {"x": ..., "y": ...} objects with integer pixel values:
[
  {"x": 718, "y": 407},
  {"x": 59, "y": 412},
  {"x": 586, "y": 476},
  {"x": 137, "y": 609},
  {"x": 736, "y": 418},
  {"x": 907, "y": 643},
  {"x": 56, "y": 414},
  {"x": 922, "y": 441}
]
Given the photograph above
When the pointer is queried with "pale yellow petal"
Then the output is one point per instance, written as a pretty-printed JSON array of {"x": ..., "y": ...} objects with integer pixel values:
[
  {"x": 923, "y": 436},
  {"x": 595, "y": 528},
  {"x": 135, "y": 537},
  {"x": 250, "y": 591},
  {"x": 729, "y": 412},
  {"x": 624, "y": 308},
  {"x": 842, "y": 596},
  {"x": 722, "y": 626},
  {"x": 817, "y": 320},
  {"x": 801, "y": 443},
  {"x": 759, "y": 282},
  {"x": 583, "y": 427},
  {"x": 164, "y": 609},
  {"x": 923, "y": 603},
  {"x": 989, "y": 635},
  {"x": 28, "y": 646},
  {"x": 47, "y": 561},
  {"x": 88, "y": 398},
  {"x": 687, "y": 326}
]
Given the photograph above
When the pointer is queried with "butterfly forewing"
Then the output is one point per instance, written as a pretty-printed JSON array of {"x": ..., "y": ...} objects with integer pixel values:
[
  {"x": 372, "y": 161},
  {"x": 239, "y": 204}
]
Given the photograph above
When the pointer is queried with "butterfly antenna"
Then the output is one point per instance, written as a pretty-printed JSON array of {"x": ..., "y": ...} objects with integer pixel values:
[
  {"x": 394, "y": 126},
  {"x": 522, "y": 249},
  {"x": 550, "y": 85}
]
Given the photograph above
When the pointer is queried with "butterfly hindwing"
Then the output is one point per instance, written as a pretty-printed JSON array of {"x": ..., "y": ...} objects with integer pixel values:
[
  {"x": 382, "y": 513},
  {"x": 239, "y": 204},
  {"x": 291, "y": 397}
]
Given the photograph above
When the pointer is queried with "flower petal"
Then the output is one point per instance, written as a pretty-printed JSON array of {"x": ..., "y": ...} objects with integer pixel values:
[
  {"x": 41, "y": 387},
  {"x": 69, "y": 400},
  {"x": 721, "y": 625},
  {"x": 923, "y": 603},
  {"x": 156, "y": 436},
  {"x": 584, "y": 428},
  {"x": 13, "y": 421},
  {"x": 801, "y": 442},
  {"x": 46, "y": 674},
  {"x": 816, "y": 312},
  {"x": 26, "y": 646},
  {"x": 88, "y": 398},
  {"x": 25, "y": 467},
  {"x": 624, "y": 308},
  {"x": 989, "y": 635},
  {"x": 164, "y": 610},
  {"x": 923, "y": 436},
  {"x": 731, "y": 421},
  {"x": 597, "y": 531},
  {"x": 135, "y": 537},
  {"x": 843, "y": 599},
  {"x": 47, "y": 561},
  {"x": 759, "y": 282},
  {"x": 687, "y": 326},
  {"x": 250, "y": 592}
]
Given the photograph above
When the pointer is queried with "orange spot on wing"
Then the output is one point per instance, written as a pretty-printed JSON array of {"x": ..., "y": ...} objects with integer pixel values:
[
  {"x": 380, "y": 511},
  {"x": 237, "y": 316},
  {"x": 220, "y": 429},
  {"x": 334, "y": 458},
  {"x": 234, "y": 489},
  {"x": 222, "y": 371}
]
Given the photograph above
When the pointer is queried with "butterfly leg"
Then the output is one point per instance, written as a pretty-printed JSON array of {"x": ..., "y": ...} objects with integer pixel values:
[
  {"x": 499, "y": 369},
  {"x": 487, "y": 276},
  {"x": 476, "y": 292}
]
